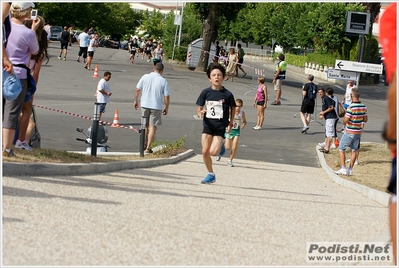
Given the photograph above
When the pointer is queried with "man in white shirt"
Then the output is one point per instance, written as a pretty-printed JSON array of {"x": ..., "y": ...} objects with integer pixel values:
[
  {"x": 83, "y": 39},
  {"x": 154, "y": 89},
  {"x": 103, "y": 92}
]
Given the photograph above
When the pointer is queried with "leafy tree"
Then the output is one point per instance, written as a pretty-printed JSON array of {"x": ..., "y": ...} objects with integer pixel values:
[
  {"x": 65, "y": 14},
  {"x": 260, "y": 23},
  {"x": 330, "y": 25},
  {"x": 239, "y": 28},
  {"x": 210, "y": 13},
  {"x": 123, "y": 19},
  {"x": 153, "y": 23},
  {"x": 191, "y": 29}
]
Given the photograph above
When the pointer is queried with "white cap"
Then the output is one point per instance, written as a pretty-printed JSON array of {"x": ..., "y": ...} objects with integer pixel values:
[{"x": 21, "y": 6}]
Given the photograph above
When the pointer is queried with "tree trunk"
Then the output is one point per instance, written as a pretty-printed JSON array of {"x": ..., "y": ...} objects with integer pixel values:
[{"x": 208, "y": 32}]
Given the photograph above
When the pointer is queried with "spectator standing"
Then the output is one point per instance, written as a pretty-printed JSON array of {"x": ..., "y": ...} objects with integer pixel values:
[
  {"x": 35, "y": 65},
  {"x": 279, "y": 76},
  {"x": 7, "y": 65},
  {"x": 328, "y": 113},
  {"x": 217, "y": 52},
  {"x": 309, "y": 93},
  {"x": 260, "y": 102},
  {"x": 232, "y": 59},
  {"x": 90, "y": 31},
  {"x": 216, "y": 105},
  {"x": 83, "y": 39},
  {"x": 330, "y": 93},
  {"x": 19, "y": 51},
  {"x": 355, "y": 116},
  {"x": 154, "y": 88},
  {"x": 65, "y": 39},
  {"x": 90, "y": 50},
  {"x": 104, "y": 92},
  {"x": 347, "y": 100},
  {"x": 240, "y": 54},
  {"x": 71, "y": 32},
  {"x": 48, "y": 30}
]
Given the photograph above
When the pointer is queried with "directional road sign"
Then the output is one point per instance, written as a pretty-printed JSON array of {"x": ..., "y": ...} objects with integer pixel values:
[
  {"x": 361, "y": 67},
  {"x": 342, "y": 75}
]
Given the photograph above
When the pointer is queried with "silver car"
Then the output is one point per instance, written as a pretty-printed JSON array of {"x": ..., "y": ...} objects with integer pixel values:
[{"x": 55, "y": 33}]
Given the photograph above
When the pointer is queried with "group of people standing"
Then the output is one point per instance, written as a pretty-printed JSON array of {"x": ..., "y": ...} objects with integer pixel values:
[
  {"x": 232, "y": 60},
  {"x": 353, "y": 120},
  {"x": 88, "y": 42}
]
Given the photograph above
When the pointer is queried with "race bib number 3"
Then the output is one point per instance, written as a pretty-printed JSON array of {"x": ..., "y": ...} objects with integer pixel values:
[{"x": 214, "y": 109}]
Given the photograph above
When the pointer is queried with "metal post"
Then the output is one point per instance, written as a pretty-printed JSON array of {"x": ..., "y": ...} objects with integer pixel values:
[
  {"x": 181, "y": 23},
  {"x": 94, "y": 133},
  {"x": 314, "y": 113},
  {"x": 174, "y": 44},
  {"x": 142, "y": 135}
]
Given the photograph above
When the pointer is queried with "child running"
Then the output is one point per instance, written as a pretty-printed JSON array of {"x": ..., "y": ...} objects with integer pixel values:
[
  {"x": 260, "y": 102},
  {"x": 215, "y": 105},
  {"x": 240, "y": 121}
]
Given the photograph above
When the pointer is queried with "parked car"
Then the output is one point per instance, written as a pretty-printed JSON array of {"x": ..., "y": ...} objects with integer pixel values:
[
  {"x": 124, "y": 45},
  {"x": 75, "y": 35},
  {"x": 114, "y": 41},
  {"x": 55, "y": 33}
]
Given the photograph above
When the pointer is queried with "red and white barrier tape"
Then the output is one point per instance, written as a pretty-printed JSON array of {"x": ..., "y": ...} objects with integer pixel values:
[
  {"x": 82, "y": 116},
  {"x": 224, "y": 58}
]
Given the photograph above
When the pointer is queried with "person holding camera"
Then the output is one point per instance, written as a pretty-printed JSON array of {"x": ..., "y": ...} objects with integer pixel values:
[{"x": 19, "y": 51}]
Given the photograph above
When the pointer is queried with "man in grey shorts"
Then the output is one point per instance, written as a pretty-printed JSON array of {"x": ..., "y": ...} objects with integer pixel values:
[{"x": 154, "y": 88}]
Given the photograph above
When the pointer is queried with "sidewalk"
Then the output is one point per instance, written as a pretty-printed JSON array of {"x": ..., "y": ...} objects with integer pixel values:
[{"x": 257, "y": 213}]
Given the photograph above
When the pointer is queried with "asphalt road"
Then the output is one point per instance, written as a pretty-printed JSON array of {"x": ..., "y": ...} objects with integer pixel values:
[{"x": 67, "y": 86}]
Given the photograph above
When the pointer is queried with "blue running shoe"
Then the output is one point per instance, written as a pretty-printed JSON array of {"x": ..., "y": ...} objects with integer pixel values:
[
  {"x": 209, "y": 179},
  {"x": 222, "y": 150}
]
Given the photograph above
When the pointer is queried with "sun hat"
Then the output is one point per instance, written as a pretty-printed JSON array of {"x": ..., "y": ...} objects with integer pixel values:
[
  {"x": 21, "y": 6},
  {"x": 11, "y": 86}
]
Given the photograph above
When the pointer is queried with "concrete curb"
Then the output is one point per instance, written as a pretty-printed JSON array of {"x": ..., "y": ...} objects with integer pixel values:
[
  {"x": 376, "y": 195},
  {"x": 37, "y": 169}
]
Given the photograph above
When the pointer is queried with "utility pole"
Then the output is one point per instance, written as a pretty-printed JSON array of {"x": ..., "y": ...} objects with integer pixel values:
[{"x": 181, "y": 24}]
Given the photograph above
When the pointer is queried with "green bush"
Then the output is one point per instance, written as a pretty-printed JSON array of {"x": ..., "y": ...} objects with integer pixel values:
[
  {"x": 374, "y": 52},
  {"x": 317, "y": 58}
]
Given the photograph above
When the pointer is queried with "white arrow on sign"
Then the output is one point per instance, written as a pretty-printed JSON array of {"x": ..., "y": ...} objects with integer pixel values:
[
  {"x": 361, "y": 67},
  {"x": 341, "y": 75}
]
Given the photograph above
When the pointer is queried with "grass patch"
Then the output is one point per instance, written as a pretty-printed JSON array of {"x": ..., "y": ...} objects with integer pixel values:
[
  {"x": 374, "y": 168},
  {"x": 56, "y": 156},
  {"x": 170, "y": 149}
]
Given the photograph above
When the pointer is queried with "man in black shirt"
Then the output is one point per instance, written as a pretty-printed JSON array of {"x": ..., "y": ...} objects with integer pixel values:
[
  {"x": 65, "y": 39},
  {"x": 329, "y": 114}
]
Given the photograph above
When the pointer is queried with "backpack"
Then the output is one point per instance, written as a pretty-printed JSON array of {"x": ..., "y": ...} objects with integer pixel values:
[{"x": 312, "y": 91}]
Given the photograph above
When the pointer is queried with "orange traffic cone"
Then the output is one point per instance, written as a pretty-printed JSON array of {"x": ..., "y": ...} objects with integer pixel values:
[
  {"x": 96, "y": 72},
  {"x": 116, "y": 119},
  {"x": 337, "y": 142}
]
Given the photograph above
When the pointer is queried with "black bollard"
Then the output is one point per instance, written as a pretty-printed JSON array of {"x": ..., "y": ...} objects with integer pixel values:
[
  {"x": 94, "y": 132},
  {"x": 142, "y": 135}
]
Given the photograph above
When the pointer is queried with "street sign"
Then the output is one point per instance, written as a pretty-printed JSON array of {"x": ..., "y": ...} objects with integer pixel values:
[
  {"x": 357, "y": 22},
  {"x": 341, "y": 75},
  {"x": 361, "y": 67}
]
